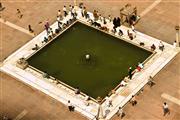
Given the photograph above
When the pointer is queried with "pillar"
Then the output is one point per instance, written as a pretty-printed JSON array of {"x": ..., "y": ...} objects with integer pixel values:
[{"x": 177, "y": 35}]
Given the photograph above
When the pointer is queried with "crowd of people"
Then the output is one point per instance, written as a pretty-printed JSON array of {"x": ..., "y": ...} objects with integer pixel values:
[
  {"x": 97, "y": 16},
  {"x": 99, "y": 21},
  {"x": 94, "y": 22}
]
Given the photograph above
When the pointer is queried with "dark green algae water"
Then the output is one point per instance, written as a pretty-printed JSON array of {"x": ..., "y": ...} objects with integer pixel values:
[{"x": 110, "y": 59}]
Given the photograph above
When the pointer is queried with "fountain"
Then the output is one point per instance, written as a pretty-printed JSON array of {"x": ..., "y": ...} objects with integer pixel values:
[
  {"x": 87, "y": 56},
  {"x": 88, "y": 59}
]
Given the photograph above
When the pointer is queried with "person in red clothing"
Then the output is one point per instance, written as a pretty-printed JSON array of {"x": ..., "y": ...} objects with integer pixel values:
[{"x": 139, "y": 67}]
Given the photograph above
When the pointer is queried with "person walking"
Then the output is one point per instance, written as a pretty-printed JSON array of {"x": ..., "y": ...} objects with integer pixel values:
[
  {"x": 151, "y": 81},
  {"x": 120, "y": 112},
  {"x": 104, "y": 20},
  {"x": 165, "y": 109},
  {"x": 30, "y": 29},
  {"x": 19, "y": 14},
  {"x": 133, "y": 100}
]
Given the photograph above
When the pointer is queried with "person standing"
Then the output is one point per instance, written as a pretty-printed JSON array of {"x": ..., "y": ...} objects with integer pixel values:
[
  {"x": 77, "y": 91},
  {"x": 70, "y": 106},
  {"x": 104, "y": 20},
  {"x": 59, "y": 14},
  {"x": 132, "y": 28},
  {"x": 175, "y": 44},
  {"x": 65, "y": 11},
  {"x": 85, "y": 13},
  {"x": 114, "y": 22},
  {"x": 109, "y": 17},
  {"x": 87, "y": 98},
  {"x": 130, "y": 73},
  {"x": 161, "y": 46},
  {"x": 82, "y": 12},
  {"x": 45, "y": 40},
  {"x": 109, "y": 102},
  {"x": 165, "y": 109},
  {"x": 59, "y": 22},
  {"x": 47, "y": 26},
  {"x": 153, "y": 47},
  {"x": 120, "y": 32},
  {"x": 100, "y": 18},
  {"x": 133, "y": 100},
  {"x": 118, "y": 22},
  {"x": 73, "y": 12},
  {"x": 70, "y": 8}
]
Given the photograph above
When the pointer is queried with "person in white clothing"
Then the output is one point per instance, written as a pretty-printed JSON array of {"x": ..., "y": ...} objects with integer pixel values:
[
  {"x": 120, "y": 112},
  {"x": 161, "y": 46},
  {"x": 70, "y": 106},
  {"x": 165, "y": 109},
  {"x": 65, "y": 11},
  {"x": 132, "y": 27},
  {"x": 59, "y": 14},
  {"x": 59, "y": 22},
  {"x": 175, "y": 44}
]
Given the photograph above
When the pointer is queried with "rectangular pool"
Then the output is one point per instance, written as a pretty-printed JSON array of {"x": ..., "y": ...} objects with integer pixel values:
[{"x": 110, "y": 58}]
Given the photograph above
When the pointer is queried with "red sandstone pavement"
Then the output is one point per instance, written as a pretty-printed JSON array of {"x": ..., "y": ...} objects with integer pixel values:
[
  {"x": 16, "y": 97},
  {"x": 150, "y": 102}
]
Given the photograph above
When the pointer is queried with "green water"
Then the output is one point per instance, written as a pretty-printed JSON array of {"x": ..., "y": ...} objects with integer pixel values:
[{"x": 111, "y": 57}]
